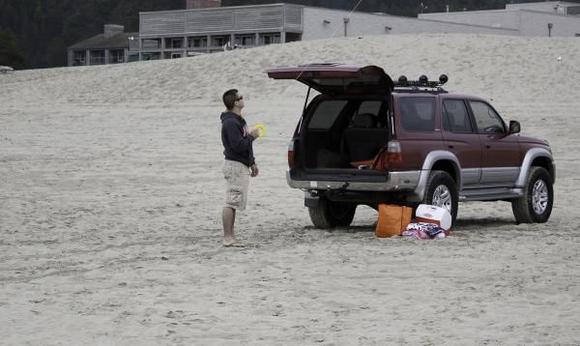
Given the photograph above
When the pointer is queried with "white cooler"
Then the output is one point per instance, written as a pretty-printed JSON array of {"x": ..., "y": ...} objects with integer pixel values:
[{"x": 432, "y": 214}]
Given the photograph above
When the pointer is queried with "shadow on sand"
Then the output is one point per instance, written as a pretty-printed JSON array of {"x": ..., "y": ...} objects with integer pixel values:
[{"x": 465, "y": 224}]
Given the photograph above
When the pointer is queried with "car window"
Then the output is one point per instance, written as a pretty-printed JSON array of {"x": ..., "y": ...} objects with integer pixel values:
[
  {"x": 417, "y": 113},
  {"x": 326, "y": 114},
  {"x": 371, "y": 107},
  {"x": 456, "y": 117},
  {"x": 487, "y": 120}
]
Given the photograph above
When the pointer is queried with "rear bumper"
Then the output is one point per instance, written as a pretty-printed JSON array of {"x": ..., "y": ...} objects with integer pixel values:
[{"x": 396, "y": 181}]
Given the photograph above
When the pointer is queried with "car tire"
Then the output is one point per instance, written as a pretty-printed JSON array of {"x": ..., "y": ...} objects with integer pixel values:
[
  {"x": 441, "y": 191},
  {"x": 332, "y": 214},
  {"x": 535, "y": 206}
]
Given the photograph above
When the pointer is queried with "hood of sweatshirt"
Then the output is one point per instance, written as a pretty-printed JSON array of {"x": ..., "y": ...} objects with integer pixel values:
[{"x": 231, "y": 115}]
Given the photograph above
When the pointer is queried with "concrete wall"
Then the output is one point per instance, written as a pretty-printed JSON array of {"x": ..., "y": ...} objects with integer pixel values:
[
  {"x": 536, "y": 24},
  {"x": 526, "y": 22},
  {"x": 493, "y": 18},
  {"x": 322, "y": 23},
  {"x": 551, "y": 6}
]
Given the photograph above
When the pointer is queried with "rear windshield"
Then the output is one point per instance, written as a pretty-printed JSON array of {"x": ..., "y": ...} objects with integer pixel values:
[{"x": 417, "y": 113}]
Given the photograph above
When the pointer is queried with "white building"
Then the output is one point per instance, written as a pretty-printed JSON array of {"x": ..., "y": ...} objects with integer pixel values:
[
  {"x": 549, "y": 18},
  {"x": 179, "y": 33}
]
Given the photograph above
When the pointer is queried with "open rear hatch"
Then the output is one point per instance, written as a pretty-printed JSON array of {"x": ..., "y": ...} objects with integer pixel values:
[
  {"x": 331, "y": 157},
  {"x": 338, "y": 79}
]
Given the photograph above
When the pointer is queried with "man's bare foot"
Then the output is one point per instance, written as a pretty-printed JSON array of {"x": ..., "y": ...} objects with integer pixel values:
[{"x": 233, "y": 243}]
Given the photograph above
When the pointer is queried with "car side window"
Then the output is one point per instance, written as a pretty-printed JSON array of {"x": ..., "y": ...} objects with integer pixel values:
[
  {"x": 372, "y": 107},
  {"x": 326, "y": 114},
  {"x": 456, "y": 117},
  {"x": 487, "y": 120},
  {"x": 371, "y": 110},
  {"x": 417, "y": 113}
]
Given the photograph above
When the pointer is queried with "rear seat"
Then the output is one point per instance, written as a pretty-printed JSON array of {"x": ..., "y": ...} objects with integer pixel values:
[{"x": 363, "y": 139}]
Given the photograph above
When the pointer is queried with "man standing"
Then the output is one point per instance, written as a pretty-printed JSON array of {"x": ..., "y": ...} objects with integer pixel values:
[{"x": 239, "y": 162}]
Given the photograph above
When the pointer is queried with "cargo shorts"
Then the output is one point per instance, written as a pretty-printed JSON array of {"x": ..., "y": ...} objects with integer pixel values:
[{"x": 237, "y": 182}]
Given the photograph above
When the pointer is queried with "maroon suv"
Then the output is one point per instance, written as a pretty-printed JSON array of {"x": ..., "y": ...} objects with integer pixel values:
[{"x": 368, "y": 140}]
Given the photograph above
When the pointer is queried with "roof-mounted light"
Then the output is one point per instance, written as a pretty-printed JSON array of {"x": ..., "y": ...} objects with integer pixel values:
[{"x": 422, "y": 83}]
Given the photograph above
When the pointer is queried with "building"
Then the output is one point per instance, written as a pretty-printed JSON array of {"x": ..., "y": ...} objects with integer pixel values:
[
  {"x": 175, "y": 34},
  {"x": 113, "y": 46},
  {"x": 548, "y": 18},
  {"x": 179, "y": 33}
]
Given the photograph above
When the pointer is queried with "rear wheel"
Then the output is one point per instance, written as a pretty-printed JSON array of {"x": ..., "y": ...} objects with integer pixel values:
[
  {"x": 536, "y": 203},
  {"x": 331, "y": 214},
  {"x": 442, "y": 192}
]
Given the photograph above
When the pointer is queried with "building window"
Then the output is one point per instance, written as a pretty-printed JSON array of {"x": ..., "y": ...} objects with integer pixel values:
[
  {"x": 245, "y": 40},
  {"x": 97, "y": 57},
  {"x": 152, "y": 56},
  {"x": 291, "y": 37},
  {"x": 219, "y": 41},
  {"x": 173, "y": 43},
  {"x": 116, "y": 56},
  {"x": 79, "y": 57},
  {"x": 269, "y": 38},
  {"x": 132, "y": 57},
  {"x": 197, "y": 42},
  {"x": 172, "y": 55}
]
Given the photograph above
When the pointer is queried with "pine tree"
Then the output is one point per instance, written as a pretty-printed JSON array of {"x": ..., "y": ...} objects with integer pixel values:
[{"x": 9, "y": 52}]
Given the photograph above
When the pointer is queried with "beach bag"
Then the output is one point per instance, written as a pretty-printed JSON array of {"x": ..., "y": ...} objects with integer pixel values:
[
  {"x": 393, "y": 219},
  {"x": 432, "y": 214}
]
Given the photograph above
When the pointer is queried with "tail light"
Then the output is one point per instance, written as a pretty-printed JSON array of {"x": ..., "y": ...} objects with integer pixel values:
[
  {"x": 394, "y": 152},
  {"x": 291, "y": 163}
]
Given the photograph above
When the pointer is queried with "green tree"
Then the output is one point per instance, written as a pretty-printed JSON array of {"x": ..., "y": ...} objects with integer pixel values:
[{"x": 9, "y": 53}]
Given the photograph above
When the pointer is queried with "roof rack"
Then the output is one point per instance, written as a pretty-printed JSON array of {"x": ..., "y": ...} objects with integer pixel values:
[{"x": 423, "y": 82}]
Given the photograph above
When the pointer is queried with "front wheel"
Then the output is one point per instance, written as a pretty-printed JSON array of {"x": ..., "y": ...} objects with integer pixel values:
[
  {"x": 330, "y": 214},
  {"x": 442, "y": 192},
  {"x": 536, "y": 203}
]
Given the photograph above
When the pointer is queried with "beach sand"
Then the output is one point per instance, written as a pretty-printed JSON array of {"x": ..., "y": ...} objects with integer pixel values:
[{"x": 111, "y": 194}]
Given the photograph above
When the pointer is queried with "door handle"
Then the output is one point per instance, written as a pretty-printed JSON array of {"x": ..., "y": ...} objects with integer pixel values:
[
  {"x": 488, "y": 146},
  {"x": 450, "y": 147}
]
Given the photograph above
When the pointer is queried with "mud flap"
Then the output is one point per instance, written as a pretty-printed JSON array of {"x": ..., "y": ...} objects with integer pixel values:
[{"x": 311, "y": 200}]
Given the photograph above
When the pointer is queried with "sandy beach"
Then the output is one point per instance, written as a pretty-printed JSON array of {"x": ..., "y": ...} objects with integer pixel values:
[{"x": 111, "y": 194}]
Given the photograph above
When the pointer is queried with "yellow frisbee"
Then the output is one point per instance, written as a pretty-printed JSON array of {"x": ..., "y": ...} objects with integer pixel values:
[{"x": 262, "y": 129}]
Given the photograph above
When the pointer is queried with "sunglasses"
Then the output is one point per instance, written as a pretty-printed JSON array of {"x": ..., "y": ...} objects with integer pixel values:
[{"x": 239, "y": 98}]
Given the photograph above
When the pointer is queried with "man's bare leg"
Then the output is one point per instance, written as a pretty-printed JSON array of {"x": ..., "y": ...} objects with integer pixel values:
[{"x": 229, "y": 218}]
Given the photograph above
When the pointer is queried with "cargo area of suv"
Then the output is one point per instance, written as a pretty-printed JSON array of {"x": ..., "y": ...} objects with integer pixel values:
[
  {"x": 343, "y": 133},
  {"x": 344, "y": 128}
]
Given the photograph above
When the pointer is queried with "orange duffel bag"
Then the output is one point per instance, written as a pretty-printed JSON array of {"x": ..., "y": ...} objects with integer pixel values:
[{"x": 393, "y": 219}]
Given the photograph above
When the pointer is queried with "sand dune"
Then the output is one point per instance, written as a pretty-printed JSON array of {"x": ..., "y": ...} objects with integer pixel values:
[{"x": 111, "y": 192}]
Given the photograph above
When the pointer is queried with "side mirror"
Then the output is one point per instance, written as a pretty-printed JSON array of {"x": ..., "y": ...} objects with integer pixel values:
[{"x": 514, "y": 127}]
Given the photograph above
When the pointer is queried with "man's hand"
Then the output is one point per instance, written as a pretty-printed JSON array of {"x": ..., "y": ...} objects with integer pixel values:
[
  {"x": 255, "y": 132},
  {"x": 254, "y": 170}
]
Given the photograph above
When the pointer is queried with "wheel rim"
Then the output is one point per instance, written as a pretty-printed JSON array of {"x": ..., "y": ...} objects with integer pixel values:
[
  {"x": 442, "y": 198},
  {"x": 540, "y": 197}
]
